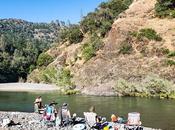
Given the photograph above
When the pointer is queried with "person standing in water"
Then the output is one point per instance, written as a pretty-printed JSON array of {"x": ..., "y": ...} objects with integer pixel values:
[{"x": 37, "y": 104}]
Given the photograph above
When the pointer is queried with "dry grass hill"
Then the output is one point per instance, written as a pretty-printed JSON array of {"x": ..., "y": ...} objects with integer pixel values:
[{"x": 128, "y": 64}]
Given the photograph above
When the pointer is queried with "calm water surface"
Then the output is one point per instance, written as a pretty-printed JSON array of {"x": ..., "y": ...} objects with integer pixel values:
[{"x": 154, "y": 112}]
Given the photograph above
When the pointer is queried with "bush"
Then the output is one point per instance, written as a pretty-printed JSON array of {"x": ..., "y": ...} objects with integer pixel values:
[
  {"x": 72, "y": 34},
  {"x": 164, "y": 51},
  {"x": 157, "y": 86},
  {"x": 170, "y": 62},
  {"x": 101, "y": 20},
  {"x": 165, "y": 8},
  {"x": 148, "y": 33},
  {"x": 60, "y": 77},
  {"x": 171, "y": 54},
  {"x": 106, "y": 26},
  {"x": 64, "y": 78},
  {"x": 71, "y": 92},
  {"x": 49, "y": 75},
  {"x": 44, "y": 59},
  {"x": 89, "y": 49},
  {"x": 125, "y": 48},
  {"x": 150, "y": 86},
  {"x": 124, "y": 88}
]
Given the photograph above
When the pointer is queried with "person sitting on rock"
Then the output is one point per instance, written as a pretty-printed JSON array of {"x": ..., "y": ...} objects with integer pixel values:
[{"x": 65, "y": 114}]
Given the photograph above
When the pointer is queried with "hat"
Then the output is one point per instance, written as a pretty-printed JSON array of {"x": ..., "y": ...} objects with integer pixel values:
[
  {"x": 65, "y": 104},
  {"x": 53, "y": 103}
]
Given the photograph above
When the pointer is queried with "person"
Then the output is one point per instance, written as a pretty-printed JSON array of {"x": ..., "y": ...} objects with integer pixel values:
[
  {"x": 114, "y": 118},
  {"x": 37, "y": 104},
  {"x": 50, "y": 112},
  {"x": 98, "y": 119},
  {"x": 65, "y": 114},
  {"x": 54, "y": 109}
]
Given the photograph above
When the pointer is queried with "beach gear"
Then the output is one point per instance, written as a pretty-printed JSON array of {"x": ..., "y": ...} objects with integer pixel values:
[
  {"x": 79, "y": 127},
  {"x": 133, "y": 122}
]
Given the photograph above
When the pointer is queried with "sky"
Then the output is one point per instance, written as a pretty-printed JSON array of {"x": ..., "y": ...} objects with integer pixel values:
[{"x": 47, "y": 10}]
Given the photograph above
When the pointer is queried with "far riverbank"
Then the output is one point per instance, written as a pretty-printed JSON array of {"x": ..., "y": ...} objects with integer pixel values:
[{"x": 27, "y": 87}]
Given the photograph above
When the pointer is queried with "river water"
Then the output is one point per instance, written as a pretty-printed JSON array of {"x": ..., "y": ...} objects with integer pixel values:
[{"x": 154, "y": 112}]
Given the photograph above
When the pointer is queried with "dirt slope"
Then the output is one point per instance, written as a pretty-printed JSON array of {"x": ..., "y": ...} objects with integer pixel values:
[{"x": 99, "y": 75}]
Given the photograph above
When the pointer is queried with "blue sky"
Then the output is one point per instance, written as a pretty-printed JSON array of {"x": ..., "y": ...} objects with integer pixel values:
[{"x": 47, "y": 10}]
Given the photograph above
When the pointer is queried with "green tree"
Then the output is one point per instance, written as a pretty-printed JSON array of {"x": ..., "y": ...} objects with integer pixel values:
[{"x": 44, "y": 59}]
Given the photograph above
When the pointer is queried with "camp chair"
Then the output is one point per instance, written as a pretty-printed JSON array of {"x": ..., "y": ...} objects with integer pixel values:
[
  {"x": 133, "y": 122},
  {"x": 90, "y": 119}
]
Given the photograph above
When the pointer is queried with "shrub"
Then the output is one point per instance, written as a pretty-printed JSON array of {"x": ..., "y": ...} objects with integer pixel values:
[
  {"x": 72, "y": 34},
  {"x": 64, "y": 78},
  {"x": 61, "y": 77},
  {"x": 49, "y": 75},
  {"x": 89, "y": 49},
  {"x": 31, "y": 68},
  {"x": 165, "y": 8},
  {"x": 71, "y": 92},
  {"x": 124, "y": 88},
  {"x": 148, "y": 33},
  {"x": 101, "y": 20},
  {"x": 125, "y": 48},
  {"x": 106, "y": 26},
  {"x": 150, "y": 86},
  {"x": 170, "y": 62},
  {"x": 164, "y": 51},
  {"x": 44, "y": 59},
  {"x": 75, "y": 35},
  {"x": 157, "y": 86},
  {"x": 171, "y": 54}
]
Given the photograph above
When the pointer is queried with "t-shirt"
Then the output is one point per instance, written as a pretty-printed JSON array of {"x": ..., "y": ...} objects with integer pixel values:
[{"x": 49, "y": 110}]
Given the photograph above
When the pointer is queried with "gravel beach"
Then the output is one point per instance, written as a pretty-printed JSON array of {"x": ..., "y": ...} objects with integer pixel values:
[
  {"x": 27, "y": 87},
  {"x": 28, "y": 121},
  {"x": 31, "y": 121}
]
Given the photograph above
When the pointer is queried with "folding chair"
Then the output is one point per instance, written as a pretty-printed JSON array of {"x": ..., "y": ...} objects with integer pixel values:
[{"x": 133, "y": 122}]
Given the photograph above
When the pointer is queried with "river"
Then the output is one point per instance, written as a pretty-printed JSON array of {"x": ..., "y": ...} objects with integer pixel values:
[{"x": 155, "y": 113}]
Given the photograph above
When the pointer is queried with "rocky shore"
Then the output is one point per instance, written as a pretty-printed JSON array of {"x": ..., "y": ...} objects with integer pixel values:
[
  {"x": 27, "y": 121},
  {"x": 30, "y": 121}
]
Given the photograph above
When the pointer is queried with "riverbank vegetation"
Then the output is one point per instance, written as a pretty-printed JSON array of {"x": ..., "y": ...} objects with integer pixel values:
[
  {"x": 61, "y": 77},
  {"x": 151, "y": 86}
]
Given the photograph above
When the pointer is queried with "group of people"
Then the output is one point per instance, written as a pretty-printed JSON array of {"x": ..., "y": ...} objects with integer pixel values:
[{"x": 51, "y": 113}]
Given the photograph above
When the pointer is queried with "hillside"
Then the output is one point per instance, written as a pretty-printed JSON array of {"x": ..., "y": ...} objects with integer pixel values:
[
  {"x": 41, "y": 31},
  {"x": 137, "y": 57},
  {"x": 21, "y": 42}
]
